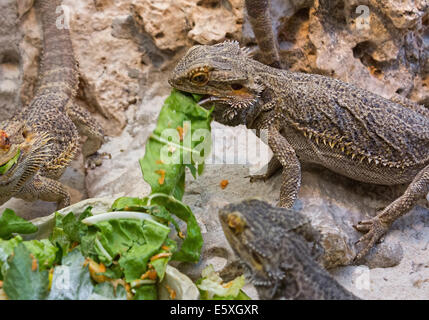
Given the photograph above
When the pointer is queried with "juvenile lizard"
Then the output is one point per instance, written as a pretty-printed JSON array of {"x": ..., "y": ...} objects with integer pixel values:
[
  {"x": 279, "y": 248},
  {"x": 43, "y": 137},
  {"x": 316, "y": 119}
]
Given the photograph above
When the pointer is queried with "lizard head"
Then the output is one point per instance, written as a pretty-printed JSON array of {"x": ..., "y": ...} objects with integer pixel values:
[
  {"x": 269, "y": 242},
  {"x": 8, "y": 152},
  {"x": 254, "y": 240},
  {"x": 20, "y": 149},
  {"x": 221, "y": 74}
]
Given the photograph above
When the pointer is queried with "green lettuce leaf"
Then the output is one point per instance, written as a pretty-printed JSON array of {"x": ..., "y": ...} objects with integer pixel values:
[
  {"x": 69, "y": 229},
  {"x": 164, "y": 207},
  {"x": 20, "y": 281},
  {"x": 134, "y": 262},
  {"x": 211, "y": 286},
  {"x": 190, "y": 249},
  {"x": 116, "y": 236},
  {"x": 106, "y": 291},
  {"x": 160, "y": 265},
  {"x": 10, "y": 223},
  {"x": 146, "y": 292},
  {"x": 71, "y": 280},
  {"x": 43, "y": 250},
  {"x": 179, "y": 114}
]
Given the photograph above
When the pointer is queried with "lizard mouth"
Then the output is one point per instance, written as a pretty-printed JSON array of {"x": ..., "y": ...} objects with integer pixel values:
[{"x": 210, "y": 99}]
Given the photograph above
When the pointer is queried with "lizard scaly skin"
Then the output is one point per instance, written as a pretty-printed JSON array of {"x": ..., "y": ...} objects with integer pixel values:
[
  {"x": 316, "y": 119},
  {"x": 279, "y": 248},
  {"x": 46, "y": 132}
]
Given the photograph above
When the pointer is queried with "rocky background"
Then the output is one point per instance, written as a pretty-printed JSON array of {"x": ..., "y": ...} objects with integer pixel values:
[{"x": 126, "y": 50}]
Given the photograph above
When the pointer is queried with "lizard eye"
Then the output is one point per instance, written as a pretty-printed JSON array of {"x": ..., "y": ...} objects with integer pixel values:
[
  {"x": 236, "y": 86},
  {"x": 200, "y": 78}
]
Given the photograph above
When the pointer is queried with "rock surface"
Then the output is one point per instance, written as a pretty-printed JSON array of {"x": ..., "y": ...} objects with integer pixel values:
[{"x": 126, "y": 50}]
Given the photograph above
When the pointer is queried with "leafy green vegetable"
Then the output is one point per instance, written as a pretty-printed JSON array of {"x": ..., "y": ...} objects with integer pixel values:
[
  {"x": 176, "y": 144},
  {"x": 164, "y": 206},
  {"x": 5, "y": 168},
  {"x": 146, "y": 292},
  {"x": 106, "y": 291},
  {"x": 42, "y": 250},
  {"x": 10, "y": 223},
  {"x": 160, "y": 265},
  {"x": 115, "y": 237},
  {"x": 211, "y": 287},
  {"x": 69, "y": 229},
  {"x": 120, "y": 245},
  {"x": 130, "y": 204},
  {"x": 21, "y": 281},
  {"x": 193, "y": 242},
  {"x": 134, "y": 262},
  {"x": 6, "y": 249},
  {"x": 71, "y": 280}
]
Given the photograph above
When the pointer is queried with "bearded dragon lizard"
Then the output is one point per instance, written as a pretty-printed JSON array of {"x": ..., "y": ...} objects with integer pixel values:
[
  {"x": 315, "y": 119},
  {"x": 279, "y": 248},
  {"x": 43, "y": 138}
]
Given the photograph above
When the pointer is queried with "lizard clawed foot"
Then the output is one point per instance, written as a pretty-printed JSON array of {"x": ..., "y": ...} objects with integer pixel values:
[
  {"x": 257, "y": 177},
  {"x": 96, "y": 160},
  {"x": 374, "y": 229}
]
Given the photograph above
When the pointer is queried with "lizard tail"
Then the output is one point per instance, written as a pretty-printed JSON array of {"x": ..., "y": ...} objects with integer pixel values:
[
  {"x": 260, "y": 19},
  {"x": 59, "y": 69}
]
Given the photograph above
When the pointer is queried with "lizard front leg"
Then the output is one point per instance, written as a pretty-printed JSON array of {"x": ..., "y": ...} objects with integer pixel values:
[
  {"x": 42, "y": 188},
  {"x": 89, "y": 127},
  {"x": 376, "y": 227},
  {"x": 291, "y": 174}
]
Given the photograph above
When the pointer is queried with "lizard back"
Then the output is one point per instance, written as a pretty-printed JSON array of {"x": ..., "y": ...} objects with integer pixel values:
[{"x": 351, "y": 120}]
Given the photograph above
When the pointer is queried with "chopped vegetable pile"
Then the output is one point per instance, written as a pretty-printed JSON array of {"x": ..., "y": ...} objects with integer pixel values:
[{"x": 123, "y": 253}]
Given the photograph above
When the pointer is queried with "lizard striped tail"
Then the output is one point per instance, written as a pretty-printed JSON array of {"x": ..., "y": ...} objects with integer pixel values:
[
  {"x": 260, "y": 19},
  {"x": 58, "y": 71}
]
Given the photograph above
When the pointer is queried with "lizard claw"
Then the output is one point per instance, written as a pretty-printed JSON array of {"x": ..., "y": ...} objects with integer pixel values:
[
  {"x": 96, "y": 159},
  {"x": 257, "y": 177},
  {"x": 374, "y": 229}
]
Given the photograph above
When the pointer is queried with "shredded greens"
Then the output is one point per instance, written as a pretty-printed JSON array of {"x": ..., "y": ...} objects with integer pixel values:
[
  {"x": 124, "y": 253},
  {"x": 212, "y": 287}
]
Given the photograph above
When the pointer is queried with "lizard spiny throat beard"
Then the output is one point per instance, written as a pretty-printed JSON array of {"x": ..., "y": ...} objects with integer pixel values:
[{"x": 232, "y": 109}]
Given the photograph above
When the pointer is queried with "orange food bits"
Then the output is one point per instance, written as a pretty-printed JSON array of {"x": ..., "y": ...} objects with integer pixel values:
[
  {"x": 151, "y": 274},
  {"x": 1, "y": 284},
  {"x": 159, "y": 162},
  {"x": 171, "y": 292},
  {"x": 33, "y": 262},
  {"x": 224, "y": 183},
  {"x": 95, "y": 269},
  {"x": 161, "y": 179},
  {"x": 160, "y": 255},
  {"x": 164, "y": 247},
  {"x": 181, "y": 131}
]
